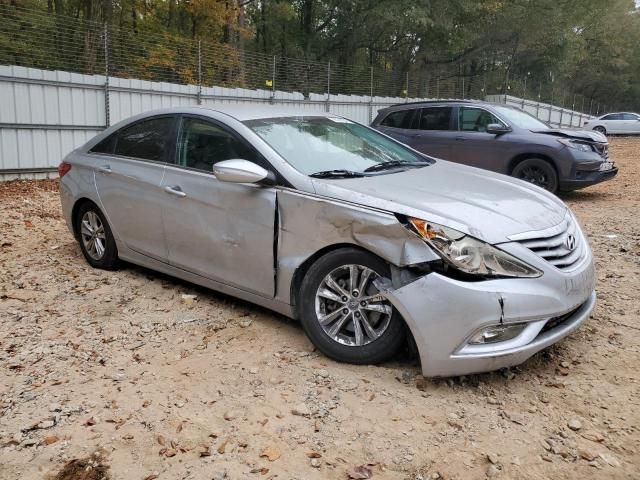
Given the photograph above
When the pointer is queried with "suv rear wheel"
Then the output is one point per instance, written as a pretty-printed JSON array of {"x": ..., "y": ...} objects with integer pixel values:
[{"x": 537, "y": 171}]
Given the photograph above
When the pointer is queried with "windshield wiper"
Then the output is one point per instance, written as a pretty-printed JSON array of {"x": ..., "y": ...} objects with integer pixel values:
[
  {"x": 337, "y": 174},
  {"x": 393, "y": 164}
]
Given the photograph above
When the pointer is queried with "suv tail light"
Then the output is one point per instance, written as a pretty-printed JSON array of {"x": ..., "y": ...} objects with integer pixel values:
[{"x": 63, "y": 169}]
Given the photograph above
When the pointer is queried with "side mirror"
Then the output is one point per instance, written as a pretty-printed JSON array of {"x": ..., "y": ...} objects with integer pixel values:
[
  {"x": 497, "y": 129},
  {"x": 242, "y": 171}
]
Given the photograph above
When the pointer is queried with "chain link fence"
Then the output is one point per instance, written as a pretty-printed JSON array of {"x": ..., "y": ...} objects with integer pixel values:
[{"x": 54, "y": 42}]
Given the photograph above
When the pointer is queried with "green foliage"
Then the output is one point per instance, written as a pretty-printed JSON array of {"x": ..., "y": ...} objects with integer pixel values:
[{"x": 552, "y": 49}]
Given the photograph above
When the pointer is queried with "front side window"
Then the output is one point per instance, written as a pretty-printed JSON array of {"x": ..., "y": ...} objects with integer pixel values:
[
  {"x": 471, "y": 119},
  {"x": 435, "y": 118},
  {"x": 201, "y": 144},
  {"x": 631, "y": 116},
  {"x": 318, "y": 144},
  {"x": 400, "y": 119},
  {"x": 149, "y": 139},
  {"x": 520, "y": 118}
]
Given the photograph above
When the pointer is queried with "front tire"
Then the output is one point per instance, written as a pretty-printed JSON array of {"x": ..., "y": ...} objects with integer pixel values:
[
  {"x": 96, "y": 240},
  {"x": 539, "y": 172},
  {"x": 342, "y": 312}
]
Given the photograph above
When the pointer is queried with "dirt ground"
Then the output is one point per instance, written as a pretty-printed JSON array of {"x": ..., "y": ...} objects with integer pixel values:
[{"x": 118, "y": 375}]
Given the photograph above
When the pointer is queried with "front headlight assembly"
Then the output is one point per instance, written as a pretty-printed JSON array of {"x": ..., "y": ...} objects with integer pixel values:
[
  {"x": 470, "y": 255},
  {"x": 576, "y": 144}
]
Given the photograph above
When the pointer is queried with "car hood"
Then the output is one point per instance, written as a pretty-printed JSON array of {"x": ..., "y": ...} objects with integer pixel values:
[
  {"x": 588, "y": 135},
  {"x": 486, "y": 205}
]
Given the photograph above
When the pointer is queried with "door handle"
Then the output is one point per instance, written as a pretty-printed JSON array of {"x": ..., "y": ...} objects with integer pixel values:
[
  {"x": 105, "y": 169},
  {"x": 175, "y": 190},
  {"x": 460, "y": 139}
]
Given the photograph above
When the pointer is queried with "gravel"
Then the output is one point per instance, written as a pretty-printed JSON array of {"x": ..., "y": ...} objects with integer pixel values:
[{"x": 113, "y": 363}]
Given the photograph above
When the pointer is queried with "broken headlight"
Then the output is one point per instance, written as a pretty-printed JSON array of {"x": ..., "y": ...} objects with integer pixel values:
[
  {"x": 469, "y": 254},
  {"x": 577, "y": 144}
]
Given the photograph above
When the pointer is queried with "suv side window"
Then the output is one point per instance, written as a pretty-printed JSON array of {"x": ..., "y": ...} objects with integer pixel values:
[
  {"x": 399, "y": 119},
  {"x": 202, "y": 143},
  {"x": 472, "y": 119},
  {"x": 148, "y": 139},
  {"x": 434, "y": 118}
]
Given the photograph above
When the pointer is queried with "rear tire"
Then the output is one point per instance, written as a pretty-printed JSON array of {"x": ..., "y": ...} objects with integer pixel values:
[
  {"x": 600, "y": 129},
  {"x": 96, "y": 240},
  {"x": 537, "y": 171},
  {"x": 341, "y": 311}
]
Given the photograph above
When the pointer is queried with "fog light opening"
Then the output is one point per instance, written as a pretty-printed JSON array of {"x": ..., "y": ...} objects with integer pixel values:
[{"x": 497, "y": 333}]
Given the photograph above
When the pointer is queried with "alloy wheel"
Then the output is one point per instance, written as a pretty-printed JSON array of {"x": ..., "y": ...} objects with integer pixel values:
[
  {"x": 349, "y": 307},
  {"x": 535, "y": 175},
  {"x": 93, "y": 235}
]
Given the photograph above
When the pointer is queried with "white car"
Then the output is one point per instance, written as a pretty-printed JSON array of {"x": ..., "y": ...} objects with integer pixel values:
[{"x": 624, "y": 123}]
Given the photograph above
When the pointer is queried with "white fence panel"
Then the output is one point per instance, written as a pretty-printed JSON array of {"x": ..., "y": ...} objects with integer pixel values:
[
  {"x": 46, "y": 114},
  {"x": 552, "y": 114}
]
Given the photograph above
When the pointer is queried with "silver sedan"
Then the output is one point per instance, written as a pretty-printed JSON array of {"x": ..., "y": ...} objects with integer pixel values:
[
  {"x": 367, "y": 242},
  {"x": 623, "y": 123}
]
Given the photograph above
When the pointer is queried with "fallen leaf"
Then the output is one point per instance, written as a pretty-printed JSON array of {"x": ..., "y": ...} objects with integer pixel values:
[
  {"x": 48, "y": 440},
  {"x": 272, "y": 453},
  {"x": 222, "y": 447},
  {"x": 261, "y": 471},
  {"x": 89, "y": 422},
  {"x": 314, "y": 454}
]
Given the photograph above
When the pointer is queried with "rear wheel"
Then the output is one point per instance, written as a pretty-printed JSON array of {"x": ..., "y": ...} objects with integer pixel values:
[
  {"x": 343, "y": 313},
  {"x": 600, "y": 129},
  {"x": 96, "y": 240},
  {"x": 537, "y": 171}
]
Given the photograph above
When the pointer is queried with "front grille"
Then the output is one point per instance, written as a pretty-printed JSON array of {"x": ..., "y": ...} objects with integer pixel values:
[
  {"x": 563, "y": 248},
  {"x": 602, "y": 149}
]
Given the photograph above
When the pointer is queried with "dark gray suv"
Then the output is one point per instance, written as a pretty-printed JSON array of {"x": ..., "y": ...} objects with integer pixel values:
[{"x": 503, "y": 139}]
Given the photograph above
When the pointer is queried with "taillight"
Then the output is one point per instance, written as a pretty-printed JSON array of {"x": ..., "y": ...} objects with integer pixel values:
[{"x": 63, "y": 169}]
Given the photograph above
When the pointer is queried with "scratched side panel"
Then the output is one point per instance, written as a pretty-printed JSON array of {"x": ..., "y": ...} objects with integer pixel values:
[{"x": 309, "y": 223}]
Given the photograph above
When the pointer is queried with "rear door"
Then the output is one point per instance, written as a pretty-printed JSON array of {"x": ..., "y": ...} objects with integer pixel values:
[
  {"x": 474, "y": 146},
  {"x": 614, "y": 123},
  {"x": 433, "y": 131},
  {"x": 219, "y": 230},
  {"x": 128, "y": 177}
]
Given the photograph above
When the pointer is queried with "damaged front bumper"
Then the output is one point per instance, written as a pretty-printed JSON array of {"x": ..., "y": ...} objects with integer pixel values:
[{"x": 445, "y": 314}]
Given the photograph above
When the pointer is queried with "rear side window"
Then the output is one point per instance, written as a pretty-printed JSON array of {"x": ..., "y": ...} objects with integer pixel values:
[
  {"x": 148, "y": 139},
  {"x": 400, "y": 119},
  {"x": 435, "y": 118},
  {"x": 106, "y": 145},
  {"x": 475, "y": 119}
]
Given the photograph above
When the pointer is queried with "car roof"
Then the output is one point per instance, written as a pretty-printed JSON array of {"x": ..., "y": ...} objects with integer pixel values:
[
  {"x": 240, "y": 112},
  {"x": 400, "y": 106}
]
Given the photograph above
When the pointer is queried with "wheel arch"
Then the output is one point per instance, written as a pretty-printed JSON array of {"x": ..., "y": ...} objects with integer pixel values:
[
  {"x": 529, "y": 155},
  {"x": 76, "y": 209},
  {"x": 304, "y": 267}
]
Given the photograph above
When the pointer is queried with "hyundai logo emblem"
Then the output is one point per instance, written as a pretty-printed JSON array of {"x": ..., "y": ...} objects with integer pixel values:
[{"x": 570, "y": 242}]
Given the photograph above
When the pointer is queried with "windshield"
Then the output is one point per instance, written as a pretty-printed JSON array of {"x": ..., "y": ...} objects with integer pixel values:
[
  {"x": 520, "y": 118},
  {"x": 331, "y": 144}
]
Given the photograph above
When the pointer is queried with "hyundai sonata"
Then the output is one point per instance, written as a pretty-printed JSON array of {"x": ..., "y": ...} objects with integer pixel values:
[{"x": 364, "y": 240}]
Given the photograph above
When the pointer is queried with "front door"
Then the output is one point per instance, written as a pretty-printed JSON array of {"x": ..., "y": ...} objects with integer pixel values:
[
  {"x": 474, "y": 146},
  {"x": 219, "y": 230},
  {"x": 128, "y": 180}
]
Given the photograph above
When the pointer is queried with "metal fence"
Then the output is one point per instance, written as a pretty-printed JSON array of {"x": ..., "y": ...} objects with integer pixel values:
[{"x": 62, "y": 80}]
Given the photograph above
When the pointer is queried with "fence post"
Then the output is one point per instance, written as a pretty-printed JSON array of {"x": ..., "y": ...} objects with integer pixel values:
[
  {"x": 273, "y": 80},
  {"x": 406, "y": 92},
  {"x": 327, "y": 106},
  {"x": 371, "y": 96},
  {"x": 107, "y": 114},
  {"x": 199, "y": 73},
  {"x": 573, "y": 108}
]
